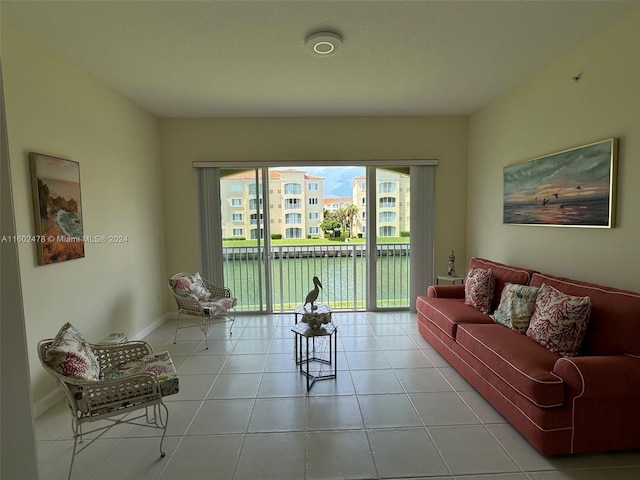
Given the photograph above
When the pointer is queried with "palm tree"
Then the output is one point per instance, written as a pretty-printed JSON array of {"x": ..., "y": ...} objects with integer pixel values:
[
  {"x": 345, "y": 215},
  {"x": 350, "y": 212}
]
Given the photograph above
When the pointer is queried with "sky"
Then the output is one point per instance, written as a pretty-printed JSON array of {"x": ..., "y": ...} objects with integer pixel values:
[{"x": 337, "y": 179}]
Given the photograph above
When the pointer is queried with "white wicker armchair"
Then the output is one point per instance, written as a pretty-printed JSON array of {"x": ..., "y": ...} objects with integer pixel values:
[
  {"x": 131, "y": 377},
  {"x": 201, "y": 302}
]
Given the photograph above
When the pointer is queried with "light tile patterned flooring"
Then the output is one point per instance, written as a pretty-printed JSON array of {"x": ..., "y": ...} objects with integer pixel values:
[{"x": 396, "y": 410}]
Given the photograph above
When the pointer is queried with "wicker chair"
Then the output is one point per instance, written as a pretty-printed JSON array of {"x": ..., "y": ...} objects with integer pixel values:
[
  {"x": 201, "y": 303},
  {"x": 125, "y": 386}
]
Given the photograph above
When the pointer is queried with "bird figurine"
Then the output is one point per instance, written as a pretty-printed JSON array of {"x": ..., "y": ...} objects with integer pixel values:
[{"x": 312, "y": 296}]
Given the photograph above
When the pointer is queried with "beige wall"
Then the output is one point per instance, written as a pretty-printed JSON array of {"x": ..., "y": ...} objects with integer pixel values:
[
  {"x": 184, "y": 141},
  {"x": 55, "y": 108},
  {"x": 552, "y": 113}
]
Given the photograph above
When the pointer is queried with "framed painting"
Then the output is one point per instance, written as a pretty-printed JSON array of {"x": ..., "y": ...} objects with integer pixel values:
[
  {"x": 572, "y": 188},
  {"x": 57, "y": 208}
]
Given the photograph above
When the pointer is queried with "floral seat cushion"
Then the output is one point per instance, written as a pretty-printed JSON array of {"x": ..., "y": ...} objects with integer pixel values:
[{"x": 158, "y": 364}]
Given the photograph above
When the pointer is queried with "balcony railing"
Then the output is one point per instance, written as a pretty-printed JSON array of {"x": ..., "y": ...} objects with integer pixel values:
[{"x": 342, "y": 268}]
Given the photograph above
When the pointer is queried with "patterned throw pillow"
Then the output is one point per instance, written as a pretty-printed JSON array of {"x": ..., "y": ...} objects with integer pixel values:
[
  {"x": 71, "y": 355},
  {"x": 479, "y": 288},
  {"x": 199, "y": 288},
  {"x": 191, "y": 286},
  {"x": 516, "y": 306},
  {"x": 559, "y": 321}
]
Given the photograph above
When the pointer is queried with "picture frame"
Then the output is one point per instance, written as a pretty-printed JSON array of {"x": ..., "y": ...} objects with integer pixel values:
[
  {"x": 571, "y": 188},
  {"x": 57, "y": 208}
]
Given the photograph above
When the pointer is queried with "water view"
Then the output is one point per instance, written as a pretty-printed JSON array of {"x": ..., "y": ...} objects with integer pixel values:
[{"x": 341, "y": 268}]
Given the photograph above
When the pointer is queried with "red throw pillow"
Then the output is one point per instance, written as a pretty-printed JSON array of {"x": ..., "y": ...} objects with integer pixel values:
[
  {"x": 559, "y": 321},
  {"x": 479, "y": 288}
]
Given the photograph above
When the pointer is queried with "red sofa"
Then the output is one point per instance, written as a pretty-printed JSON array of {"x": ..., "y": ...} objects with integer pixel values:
[{"x": 561, "y": 405}]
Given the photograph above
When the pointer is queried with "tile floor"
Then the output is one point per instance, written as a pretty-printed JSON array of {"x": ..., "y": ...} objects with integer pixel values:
[{"x": 396, "y": 410}]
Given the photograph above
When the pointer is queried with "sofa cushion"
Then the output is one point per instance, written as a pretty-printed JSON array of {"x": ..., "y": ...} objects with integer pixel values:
[
  {"x": 516, "y": 306},
  {"x": 447, "y": 313},
  {"x": 479, "y": 289},
  {"x": 559, "y": 321},
  {"x": 72, "y": 356},
  {"x": 519, "y": 361},
  {"x": 613, "y": 327},
  {"x": 503, "y": 274}
]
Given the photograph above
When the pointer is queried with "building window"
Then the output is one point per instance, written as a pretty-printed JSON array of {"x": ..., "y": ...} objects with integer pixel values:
[
  {"x": 236, "y": 202},
  {"x": 292, "y": 203},
  {"x": 253, "y": 203},
  {"x": 254, "y": 233},
  {"x": 235, "y": 187},
  {"x": 364, "y": 214},
  {"x": 314, "y": 216},
  {"x": 387, "y": 187},
  {"x": 364, "y": 201},
  {"x": 313, "y": 201},
  {"x": 236, "y": 217},
  {"x": 386, "y": 217},
  {"x": 314, "y": 230},
  {"x": 238, "y": 232},
  {"x": 253, "y": 219},
  {"x": 387, "y": 202},
  {"x": 313, "y": 187},
  {"x": 292, "y": 189},
  {"x": 293, "y": 233},
  {"x": 293, "y": 218},
  {"x": 388, "y": 231},
  {"x": 253, "y": 189}
]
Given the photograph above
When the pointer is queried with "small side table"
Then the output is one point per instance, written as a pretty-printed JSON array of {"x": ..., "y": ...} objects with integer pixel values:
[
  {"x": 302, "y": 335},
  {"x": 449, "y": 278}
]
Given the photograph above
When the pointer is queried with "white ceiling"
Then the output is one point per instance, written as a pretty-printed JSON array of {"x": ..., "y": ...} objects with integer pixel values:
[{"x": 247, "y": 58}]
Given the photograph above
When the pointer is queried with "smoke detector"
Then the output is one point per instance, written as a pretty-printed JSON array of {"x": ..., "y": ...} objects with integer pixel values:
[{"x": 323, "y": 44}]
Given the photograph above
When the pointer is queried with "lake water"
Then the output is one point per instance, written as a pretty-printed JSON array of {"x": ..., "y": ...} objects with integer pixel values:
[{"x": 343, "y": 278}]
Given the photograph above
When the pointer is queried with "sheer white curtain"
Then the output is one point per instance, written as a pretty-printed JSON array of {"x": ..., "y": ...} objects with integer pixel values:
[{"x": 210, "y": 224}]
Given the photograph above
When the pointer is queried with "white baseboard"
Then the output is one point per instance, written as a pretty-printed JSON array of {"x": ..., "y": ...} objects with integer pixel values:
[
  {"x": 48, "y": 401},
  {"x": 146, "y": 331},
  {"x": 54, "y": 396}
]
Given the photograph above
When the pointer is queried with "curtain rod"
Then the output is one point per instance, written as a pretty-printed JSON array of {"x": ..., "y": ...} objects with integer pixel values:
[{"x": 319, "y": 163}]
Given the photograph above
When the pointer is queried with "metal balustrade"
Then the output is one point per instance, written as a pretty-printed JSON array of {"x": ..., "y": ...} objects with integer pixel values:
[{"x": 340, "y": 266}]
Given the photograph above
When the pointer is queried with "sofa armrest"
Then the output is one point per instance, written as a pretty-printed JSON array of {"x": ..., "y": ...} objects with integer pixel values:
[
  {"x": 446, "y": 291},
  {"x": 600, "y": 376}
]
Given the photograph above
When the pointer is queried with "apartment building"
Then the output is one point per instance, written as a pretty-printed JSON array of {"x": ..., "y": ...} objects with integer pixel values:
[
  {"x": 392, "y": 204},
  {"x": 295, "y": 205}
]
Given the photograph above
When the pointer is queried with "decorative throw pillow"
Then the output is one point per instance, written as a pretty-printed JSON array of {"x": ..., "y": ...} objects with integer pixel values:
[
  {"x": 559, "y": 321},
  {"x": 190, "y": 285},
  {"x": 479, "y": 288},
  {"x": 516, "y": 306},
  {"x": 199, "y": 289},
  {"x": 71, "y": 355}
]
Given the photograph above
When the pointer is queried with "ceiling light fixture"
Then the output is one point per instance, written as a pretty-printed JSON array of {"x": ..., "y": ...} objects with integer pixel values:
[{"x": 323, "y": 44}]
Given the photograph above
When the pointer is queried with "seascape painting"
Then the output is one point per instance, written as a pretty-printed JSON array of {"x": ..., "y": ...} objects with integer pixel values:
[
  {"x": 573, "y": 188},
  {"x": 57, "y": 208}
]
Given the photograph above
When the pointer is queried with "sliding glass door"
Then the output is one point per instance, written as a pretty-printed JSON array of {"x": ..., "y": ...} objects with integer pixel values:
[{"x": 352, "y": 227}]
